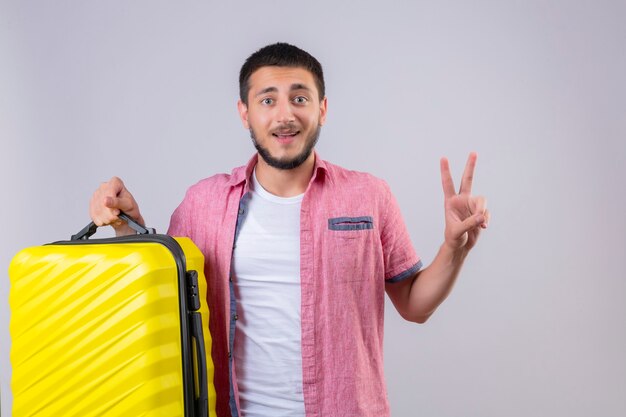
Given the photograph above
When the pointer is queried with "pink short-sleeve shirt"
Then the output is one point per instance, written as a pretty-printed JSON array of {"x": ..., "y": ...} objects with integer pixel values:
[{"x": 352, "y": 240}]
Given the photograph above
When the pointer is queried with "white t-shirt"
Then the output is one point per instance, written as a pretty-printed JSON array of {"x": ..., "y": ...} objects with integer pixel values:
[{"x": 266, "y": 262}]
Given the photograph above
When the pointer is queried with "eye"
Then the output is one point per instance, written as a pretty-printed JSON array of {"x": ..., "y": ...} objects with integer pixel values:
[
  {"x": 300, "y": 100},
  {"x": 267, "y": 101}
]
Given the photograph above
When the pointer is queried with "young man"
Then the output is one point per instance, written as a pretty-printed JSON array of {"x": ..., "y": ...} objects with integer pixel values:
[{"x": 299, "y": 253}]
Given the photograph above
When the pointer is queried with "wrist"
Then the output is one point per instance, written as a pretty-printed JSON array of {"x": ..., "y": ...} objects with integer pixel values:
[{"x": 455, "y": 254}]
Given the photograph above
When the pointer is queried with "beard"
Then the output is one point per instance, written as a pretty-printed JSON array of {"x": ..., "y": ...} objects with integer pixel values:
[{"x": 287, "y": 163}]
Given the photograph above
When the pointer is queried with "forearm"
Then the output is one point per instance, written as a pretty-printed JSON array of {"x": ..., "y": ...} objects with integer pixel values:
[{"x": 432, "y": 285}]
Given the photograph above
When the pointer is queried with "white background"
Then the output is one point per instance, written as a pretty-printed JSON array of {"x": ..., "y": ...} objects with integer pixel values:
[{"x": 147, "y": 90}]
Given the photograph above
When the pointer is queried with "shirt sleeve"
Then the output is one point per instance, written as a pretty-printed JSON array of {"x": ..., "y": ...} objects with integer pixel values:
[{"x": 401, "y": 260}]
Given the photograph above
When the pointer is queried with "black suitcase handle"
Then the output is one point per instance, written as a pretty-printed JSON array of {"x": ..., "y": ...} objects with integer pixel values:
[
  {"x": 88, "y": 231},
  {"x": 202, "y": 402}
]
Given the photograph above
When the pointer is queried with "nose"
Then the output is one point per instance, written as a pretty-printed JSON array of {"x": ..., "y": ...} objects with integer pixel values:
[{"x": 284, "y": 112}]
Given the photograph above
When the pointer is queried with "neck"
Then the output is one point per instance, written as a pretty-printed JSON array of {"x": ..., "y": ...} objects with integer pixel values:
[{"x": 285, "y": 182}]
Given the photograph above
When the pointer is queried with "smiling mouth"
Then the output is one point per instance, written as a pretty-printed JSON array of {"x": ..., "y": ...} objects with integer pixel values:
[{"x": 285, "y": 135}]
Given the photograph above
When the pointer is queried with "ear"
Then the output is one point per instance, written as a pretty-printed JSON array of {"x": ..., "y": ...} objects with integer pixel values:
[
  {"x": 243, "y": 113},
  {"x": 323, "y": 109}
]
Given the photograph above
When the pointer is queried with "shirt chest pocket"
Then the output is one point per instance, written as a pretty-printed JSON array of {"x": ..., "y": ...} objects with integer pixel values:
[
  {"x": 346, "y": 224},
  {"x": 351, "y": 248}
]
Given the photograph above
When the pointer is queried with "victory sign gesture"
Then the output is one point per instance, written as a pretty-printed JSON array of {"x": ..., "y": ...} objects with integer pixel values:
[
  {"x": 417, "y": 298},
  {"x": 465, "y": 214}
]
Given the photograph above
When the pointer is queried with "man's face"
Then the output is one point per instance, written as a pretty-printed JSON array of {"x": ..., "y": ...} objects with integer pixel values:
[{"x": 284, "y": 115}]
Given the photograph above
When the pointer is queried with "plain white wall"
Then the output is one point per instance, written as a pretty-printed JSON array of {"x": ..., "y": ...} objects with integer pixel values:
[{"x": 146, "y": 90}]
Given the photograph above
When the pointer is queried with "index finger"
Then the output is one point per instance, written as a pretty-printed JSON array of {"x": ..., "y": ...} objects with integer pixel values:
[
  {"x": 446, "y": 178},
  {"x": 468, "y": 174}
]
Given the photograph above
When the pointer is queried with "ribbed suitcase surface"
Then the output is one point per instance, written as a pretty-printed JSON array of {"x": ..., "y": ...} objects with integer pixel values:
[{"x": 96, "y": 330}]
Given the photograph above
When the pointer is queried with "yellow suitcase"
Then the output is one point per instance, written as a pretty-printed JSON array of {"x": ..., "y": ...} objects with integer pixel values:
[{"x": 111, "y": 327}]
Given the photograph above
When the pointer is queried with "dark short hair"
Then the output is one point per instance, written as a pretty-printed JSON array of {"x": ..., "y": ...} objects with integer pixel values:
[{"x": 280, "y": 55}]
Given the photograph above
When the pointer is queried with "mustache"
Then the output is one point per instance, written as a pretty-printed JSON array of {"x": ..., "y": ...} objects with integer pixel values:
[{"x": 285, "y": 127}]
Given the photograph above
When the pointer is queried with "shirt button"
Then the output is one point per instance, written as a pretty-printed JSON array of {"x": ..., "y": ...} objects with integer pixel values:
[
  {"x": 241, "y": 211},
  {"x": 235, "y": 317}
]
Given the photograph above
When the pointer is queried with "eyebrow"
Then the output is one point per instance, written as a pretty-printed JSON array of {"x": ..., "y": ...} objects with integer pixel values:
[{"x": 296, "y": 86}]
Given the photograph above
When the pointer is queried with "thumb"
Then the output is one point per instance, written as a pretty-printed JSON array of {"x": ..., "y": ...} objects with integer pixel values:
[
  {"x": 471, "y": 223},
  {"x": 123, "y": 204}
]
